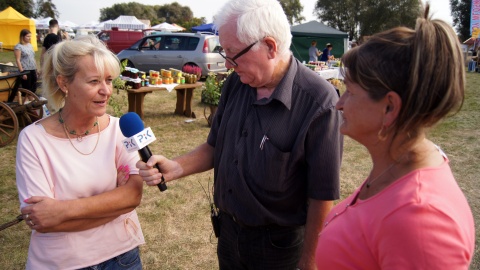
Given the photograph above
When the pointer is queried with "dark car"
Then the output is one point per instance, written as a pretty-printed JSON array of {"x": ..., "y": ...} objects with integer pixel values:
[{"x": 175, "y": 50}]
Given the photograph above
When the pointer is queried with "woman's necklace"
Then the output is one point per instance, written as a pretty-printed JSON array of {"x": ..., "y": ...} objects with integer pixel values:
[
  {"x": 73, "y": 132},
  {"x": 369, "y": 183},
  {"x": 60, "y": 119}
]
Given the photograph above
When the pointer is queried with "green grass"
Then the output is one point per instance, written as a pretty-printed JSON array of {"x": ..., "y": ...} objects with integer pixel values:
[{"x": 176, "y": 223}]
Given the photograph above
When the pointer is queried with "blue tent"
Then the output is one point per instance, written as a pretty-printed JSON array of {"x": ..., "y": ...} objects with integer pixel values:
[{"x": 204, "y": 28}]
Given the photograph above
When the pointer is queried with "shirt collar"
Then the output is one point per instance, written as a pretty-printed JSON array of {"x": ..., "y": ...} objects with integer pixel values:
[{"x": 284, "y": 89}]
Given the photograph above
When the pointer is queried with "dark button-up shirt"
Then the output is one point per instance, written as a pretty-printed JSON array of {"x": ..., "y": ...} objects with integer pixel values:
[{"x": 269, "y": 182}]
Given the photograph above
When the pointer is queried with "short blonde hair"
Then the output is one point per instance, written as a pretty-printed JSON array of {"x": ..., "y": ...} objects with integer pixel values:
[{"x": 62, "y": 59}]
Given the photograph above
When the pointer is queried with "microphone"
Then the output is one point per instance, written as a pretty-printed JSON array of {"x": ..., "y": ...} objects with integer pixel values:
[{"x": 138, "y": 139}]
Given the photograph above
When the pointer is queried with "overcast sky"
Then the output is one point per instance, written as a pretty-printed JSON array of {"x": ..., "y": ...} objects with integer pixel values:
[{"x": 85, "y": 11}]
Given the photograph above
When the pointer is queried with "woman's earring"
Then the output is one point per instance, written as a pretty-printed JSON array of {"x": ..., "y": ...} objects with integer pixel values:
[
  {"x": 382, "y": 133},
  {"x": 66, "y": 93}
]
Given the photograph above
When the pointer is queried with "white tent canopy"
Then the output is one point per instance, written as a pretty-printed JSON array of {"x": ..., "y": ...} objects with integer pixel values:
[
  {"x": 101, "y": 25},
  {"x": 167, "y": 27},
  {"x": 89, "y": 25},
  {"x": 125, "y": 22},
  {"x": 42, "y": 23},
  {"x": 67, "y": 24}
]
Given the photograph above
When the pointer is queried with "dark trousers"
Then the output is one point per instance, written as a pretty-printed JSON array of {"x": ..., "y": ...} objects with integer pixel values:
[
  {"x": 269, "y": 247},
  {"x": 31, "y": 82}
]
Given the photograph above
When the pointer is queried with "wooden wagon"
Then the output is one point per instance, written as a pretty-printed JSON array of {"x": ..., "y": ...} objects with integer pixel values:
[{"x": 18, "y": 107}]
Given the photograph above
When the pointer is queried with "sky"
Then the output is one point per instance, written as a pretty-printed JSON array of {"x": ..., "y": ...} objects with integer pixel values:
[{"x": 85, "y": 11}]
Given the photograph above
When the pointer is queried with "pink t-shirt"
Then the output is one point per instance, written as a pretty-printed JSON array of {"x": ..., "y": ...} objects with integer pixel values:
[
  {"x": 421, "y": 221},
  {"x": 50, "y": 166}
]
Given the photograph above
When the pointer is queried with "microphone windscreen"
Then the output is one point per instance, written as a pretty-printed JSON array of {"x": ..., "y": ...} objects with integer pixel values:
[{"x": 131, "y": 124}]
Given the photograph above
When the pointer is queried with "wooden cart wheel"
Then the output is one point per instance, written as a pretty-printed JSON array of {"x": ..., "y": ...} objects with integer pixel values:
[
  {"x": 30, "y": 115},
  {"x": 8, "y": 124}
]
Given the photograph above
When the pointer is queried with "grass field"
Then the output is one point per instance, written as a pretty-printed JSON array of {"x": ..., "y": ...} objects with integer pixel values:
[{"x": 176, "y": 223}]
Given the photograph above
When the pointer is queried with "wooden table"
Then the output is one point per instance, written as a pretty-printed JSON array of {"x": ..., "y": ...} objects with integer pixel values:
[{"x": 184, "y": 98}]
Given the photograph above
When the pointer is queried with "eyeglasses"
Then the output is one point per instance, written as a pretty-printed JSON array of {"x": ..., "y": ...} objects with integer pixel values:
[{"x": 232, "y": 60}]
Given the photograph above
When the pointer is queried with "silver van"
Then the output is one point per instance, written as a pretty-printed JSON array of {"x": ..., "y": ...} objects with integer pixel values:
[{"x": 175, "y": 50}]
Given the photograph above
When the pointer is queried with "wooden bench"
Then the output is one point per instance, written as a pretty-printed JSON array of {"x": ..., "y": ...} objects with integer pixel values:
[{"x": 184, "y": 99}]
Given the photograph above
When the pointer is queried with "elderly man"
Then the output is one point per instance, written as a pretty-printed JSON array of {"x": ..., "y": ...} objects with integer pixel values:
[{"x": 274, "y": 145}]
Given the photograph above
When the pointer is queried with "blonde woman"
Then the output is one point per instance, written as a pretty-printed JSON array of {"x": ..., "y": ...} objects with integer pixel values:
[
  {"x": 80, "y": 213},
  {"x": 409, "y": 213}
]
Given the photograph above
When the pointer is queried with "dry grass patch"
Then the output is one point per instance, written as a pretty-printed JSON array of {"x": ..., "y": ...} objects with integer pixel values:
[{"x": 176, "y": 223}]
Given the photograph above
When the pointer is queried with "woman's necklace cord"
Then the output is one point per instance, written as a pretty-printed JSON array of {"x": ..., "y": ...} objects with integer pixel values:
[
  {"x": 79, "y": 137},
  {"x": 369, "y": 183},
  {"x": 73, "y": 132}
]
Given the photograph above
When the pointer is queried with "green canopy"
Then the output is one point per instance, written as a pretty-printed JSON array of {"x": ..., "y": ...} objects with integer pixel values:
[{"x": 304, "y": 34}]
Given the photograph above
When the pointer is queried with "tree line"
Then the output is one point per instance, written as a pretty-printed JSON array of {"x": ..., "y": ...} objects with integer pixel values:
[{"x": 356, "y": 17}]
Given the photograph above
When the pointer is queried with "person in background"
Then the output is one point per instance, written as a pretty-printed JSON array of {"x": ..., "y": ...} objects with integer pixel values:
[
  {"x": 354, "y": 44},
  {"x": 25, "y": 59},
  {"x": 50, "y": 39},
  {"x": 274, "y": 145},
  {"x": 78, "y": 186},
  {"x": 62, "y": 33},
  {"x": 326, "y": 54},
  {"x": 409, "y": 213},
  {"x": 313, "y": 52}
]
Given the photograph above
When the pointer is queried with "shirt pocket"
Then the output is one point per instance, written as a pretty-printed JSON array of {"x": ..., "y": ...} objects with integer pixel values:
[{"x": 271, "y": 168}]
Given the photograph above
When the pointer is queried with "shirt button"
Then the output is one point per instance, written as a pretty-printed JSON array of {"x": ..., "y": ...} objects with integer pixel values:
[
  {"x": 230, "y": 191},
  {"x": 244, "y": 133},
  {"x": 235, "y": 161}
]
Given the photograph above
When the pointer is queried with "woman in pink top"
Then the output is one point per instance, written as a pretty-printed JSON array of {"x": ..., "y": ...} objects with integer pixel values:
[
  {"x": 409, "y": 213},
  {"x": 68, "y": 164}
]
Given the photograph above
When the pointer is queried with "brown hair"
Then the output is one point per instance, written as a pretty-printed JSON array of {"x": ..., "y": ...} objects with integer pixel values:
[
  {"x": 23, "y": 33},
  {"x": 424, "y": 67}
]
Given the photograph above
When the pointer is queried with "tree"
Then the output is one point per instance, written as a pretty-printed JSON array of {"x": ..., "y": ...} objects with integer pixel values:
[
  {"x": 45, "y": 8},
  {"x": 174, "y": 13},
  {"x": 461, "y": 10},
  {"x": 293, "y": 10},
  {"x": 25, "y": 7},
  {"x": 131, "y": 9},
  {"x": 380, "y": 15},
  {"x": 367, "y": 17},
  {"x": 171, "y": 13},
  {"x": 343, "y": 15}
]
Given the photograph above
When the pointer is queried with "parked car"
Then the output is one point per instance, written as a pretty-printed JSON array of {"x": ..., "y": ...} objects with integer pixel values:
[
  {"x": 118, "y": 40},
  {"x": 175, "y": 50}
]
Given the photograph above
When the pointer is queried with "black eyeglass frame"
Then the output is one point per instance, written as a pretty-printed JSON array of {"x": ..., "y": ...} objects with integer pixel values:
[{"x": 232, "y": 60}]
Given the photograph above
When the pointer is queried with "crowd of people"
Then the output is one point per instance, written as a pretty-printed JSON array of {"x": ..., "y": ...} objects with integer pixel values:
[{"x": 275, "y": 146}]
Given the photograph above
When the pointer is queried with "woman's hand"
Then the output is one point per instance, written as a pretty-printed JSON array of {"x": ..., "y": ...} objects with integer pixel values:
[
  {"x": 123, "y": 173},
  {"x": 43, "y": 212}
]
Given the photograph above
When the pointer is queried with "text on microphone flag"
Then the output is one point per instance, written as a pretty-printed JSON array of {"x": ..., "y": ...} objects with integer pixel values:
[{"x": 139, "y": 140}]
